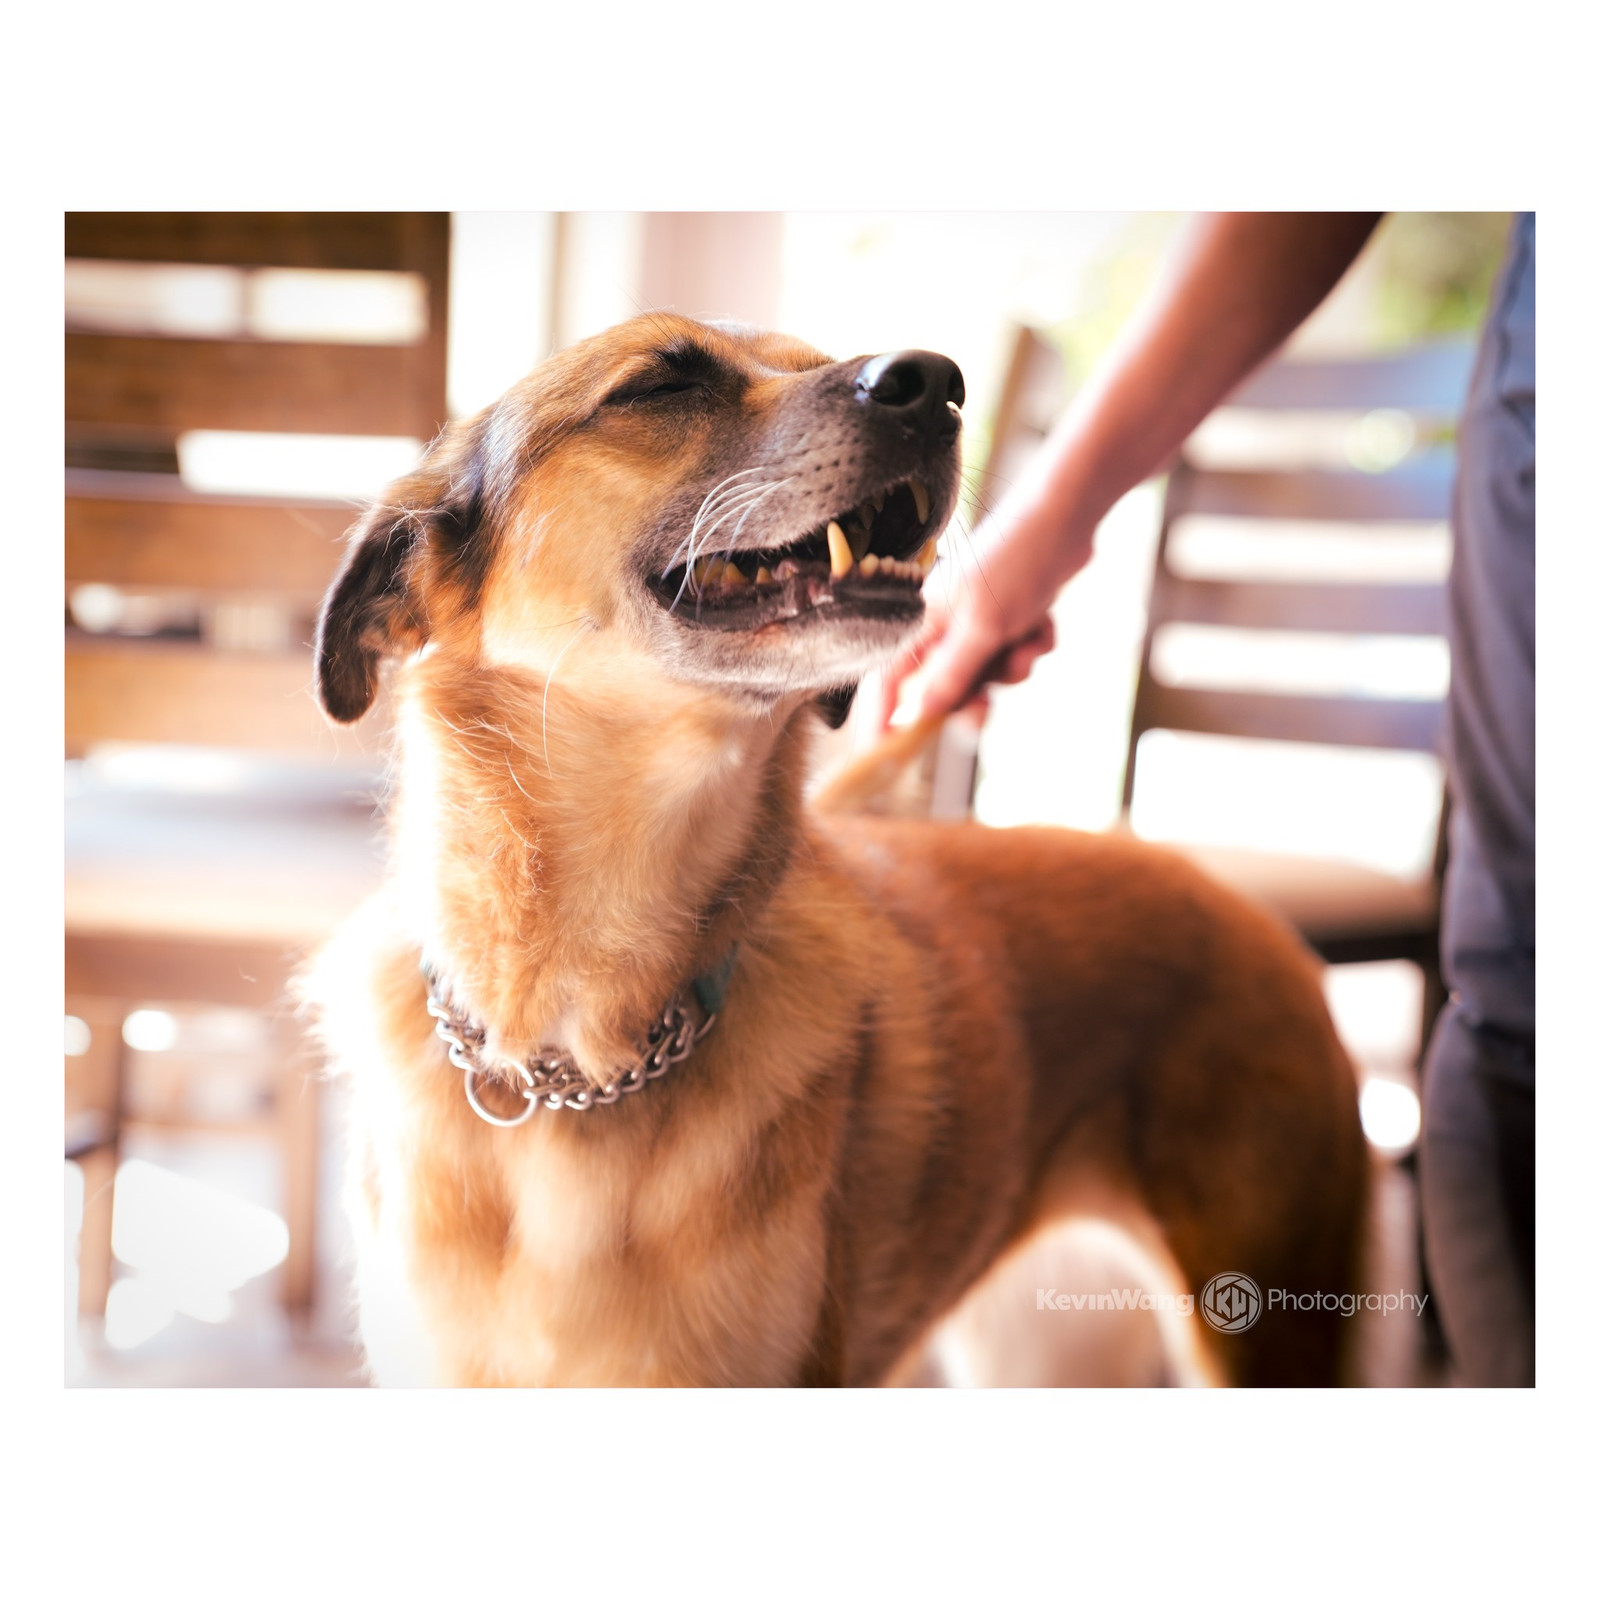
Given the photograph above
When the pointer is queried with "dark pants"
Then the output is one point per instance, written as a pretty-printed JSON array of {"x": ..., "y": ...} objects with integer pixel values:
[{"x": 1476, "y": 1157}]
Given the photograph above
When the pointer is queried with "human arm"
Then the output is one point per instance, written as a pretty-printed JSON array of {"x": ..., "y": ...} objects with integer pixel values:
[{"x": 1235, "y": 287}]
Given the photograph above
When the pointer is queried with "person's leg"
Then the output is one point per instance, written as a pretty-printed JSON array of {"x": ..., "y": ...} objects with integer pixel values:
[{"x": 1476, "y": 1166}]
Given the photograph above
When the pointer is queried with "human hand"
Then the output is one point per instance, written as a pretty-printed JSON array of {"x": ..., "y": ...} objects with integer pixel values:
[{"x": 988, "y": 607}]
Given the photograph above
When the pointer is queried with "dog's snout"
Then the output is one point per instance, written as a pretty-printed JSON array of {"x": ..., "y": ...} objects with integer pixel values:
[{"x": 918, "y": 385}]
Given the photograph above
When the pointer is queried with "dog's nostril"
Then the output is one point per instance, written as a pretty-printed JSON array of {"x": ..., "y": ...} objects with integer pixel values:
[
  {"x": 900, "y": 383},
  {"x": 917, "y": 382}
]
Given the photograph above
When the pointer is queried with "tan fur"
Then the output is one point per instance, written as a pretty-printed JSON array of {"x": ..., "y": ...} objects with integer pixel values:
[{"x": 936, "y": 1038}]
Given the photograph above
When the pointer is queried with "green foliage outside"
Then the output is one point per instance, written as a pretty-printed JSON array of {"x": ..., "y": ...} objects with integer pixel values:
[{"x": 1437, "y": 271}]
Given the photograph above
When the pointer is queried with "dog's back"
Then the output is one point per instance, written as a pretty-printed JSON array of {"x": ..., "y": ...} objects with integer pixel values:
[{"x": 1180, "y": 1059}]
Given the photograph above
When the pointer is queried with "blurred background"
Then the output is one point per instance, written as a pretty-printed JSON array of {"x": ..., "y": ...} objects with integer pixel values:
[{"x": 1251, "y": 667}]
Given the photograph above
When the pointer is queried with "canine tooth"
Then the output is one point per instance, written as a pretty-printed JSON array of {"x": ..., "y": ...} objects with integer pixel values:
[
  {"x": 919, "y": 493},
  {"x": 869, "y": 565},
  {"x": 927, "y": 555},
  {"x": 764, "y": 578},
  {"x": 860, "y": 541},
  {"x": 839, "y": 553}
]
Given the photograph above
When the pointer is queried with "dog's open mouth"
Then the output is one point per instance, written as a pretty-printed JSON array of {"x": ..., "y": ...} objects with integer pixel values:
[{"x": 870, "y": 559}]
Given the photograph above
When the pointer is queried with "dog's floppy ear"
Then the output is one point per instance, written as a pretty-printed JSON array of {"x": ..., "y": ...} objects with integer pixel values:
[
  {"x": 833, "y": 705},
  {"x": 398, "y": 570}
]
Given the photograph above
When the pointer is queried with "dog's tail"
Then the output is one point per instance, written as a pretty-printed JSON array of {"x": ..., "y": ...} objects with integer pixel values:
[{"x": 864, "y": 777}]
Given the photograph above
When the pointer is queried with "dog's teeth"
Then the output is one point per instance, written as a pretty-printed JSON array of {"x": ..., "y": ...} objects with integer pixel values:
[
  {"x": 866, "y": 512},
  {"x": 839, "y": 554},
  {"x": 764, "y": 578},
  {"x": 732, "y": 575},
  {"x": 869, "y": 565},
  {"x": 714, "y": 570},
  {"x": 788, "y": 568},
  {"x": 919, "y": 493},
  {"x": 927, "y": 555},
  {"x": 860, "y": 541}
]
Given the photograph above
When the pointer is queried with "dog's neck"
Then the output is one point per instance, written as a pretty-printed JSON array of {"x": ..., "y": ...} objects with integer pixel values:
[{"x": 569, "y": 859}]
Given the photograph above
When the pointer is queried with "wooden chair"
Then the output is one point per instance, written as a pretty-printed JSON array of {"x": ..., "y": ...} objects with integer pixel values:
[
  {"x": 1347, "y": 913},
  {"x": 181, "y": 895}
]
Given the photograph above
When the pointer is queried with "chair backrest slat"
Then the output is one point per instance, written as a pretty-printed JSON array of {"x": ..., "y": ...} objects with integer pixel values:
[
  {"x": 1309, "y": 719},
  {"x": 208, "y": 544},
  {"x": 249, "y": 385},
  {"x": 1429, "y": 379},
  {"x": 178, "y": 692},
  {"x": 1416, "y": 491},
  {"x": 1410, "y": 608}
]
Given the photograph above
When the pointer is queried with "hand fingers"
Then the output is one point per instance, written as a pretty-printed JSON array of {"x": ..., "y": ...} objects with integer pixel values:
[
  {"x": 1019, "y": 659},
  {"x": 957, "y": 666}
]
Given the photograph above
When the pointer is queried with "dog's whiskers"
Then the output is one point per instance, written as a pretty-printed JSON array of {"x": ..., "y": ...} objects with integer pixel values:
[
  {"x": 698, "y": 528},
  {"x": 746, "y": 498}
]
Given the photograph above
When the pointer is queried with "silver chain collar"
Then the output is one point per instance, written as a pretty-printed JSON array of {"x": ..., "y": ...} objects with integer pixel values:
[{"x": 551, "y": 1078}]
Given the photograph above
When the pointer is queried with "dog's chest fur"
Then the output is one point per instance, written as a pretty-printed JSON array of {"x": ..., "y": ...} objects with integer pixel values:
[{"x": 678, "y": 1237}]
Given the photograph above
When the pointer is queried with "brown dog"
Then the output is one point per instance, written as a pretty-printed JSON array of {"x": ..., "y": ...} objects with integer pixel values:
[{"x": 618, "y": 599}]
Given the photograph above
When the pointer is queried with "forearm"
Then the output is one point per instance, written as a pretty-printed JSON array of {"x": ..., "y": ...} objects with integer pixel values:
[{"x": 1237, "y": 287}]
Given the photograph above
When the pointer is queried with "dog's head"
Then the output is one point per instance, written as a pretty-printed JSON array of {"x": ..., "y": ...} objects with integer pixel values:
[{"x": 697, "y": 503}]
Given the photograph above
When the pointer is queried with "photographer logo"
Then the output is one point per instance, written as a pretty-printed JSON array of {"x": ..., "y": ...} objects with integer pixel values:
[{"x": 1231, "y": 1302}]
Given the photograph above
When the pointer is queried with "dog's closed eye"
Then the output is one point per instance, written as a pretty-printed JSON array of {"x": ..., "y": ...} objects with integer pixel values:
[
  {"x": 682, "y": 368},
  {"x": 650, "y": 387}
]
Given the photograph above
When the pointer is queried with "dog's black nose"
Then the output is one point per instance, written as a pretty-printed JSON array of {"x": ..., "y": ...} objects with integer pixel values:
[{"x": 918, "y": 385}]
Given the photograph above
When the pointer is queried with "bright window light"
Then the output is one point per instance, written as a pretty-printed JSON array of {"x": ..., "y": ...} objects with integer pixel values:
[
  {"x": 342, "y": 307},
  {"x": 1388, "y": 552},
  {"x": 180, "y": 301},
  {"x": 1380, "y": 440},
  {"x": 1235, "y": 436},
  {"x": 74, "y": 1197},
  {"x": 196, "y": 1242},
  {"x": 1372, "y": 666},
  {"x": 1391, "y": 1115},
  {"x": 501, "y": 265},
  {"x": 186, "y": 769},
  {"x": 323, "y": 466},
  {"x": 136, "y": 1311},
  {"x": 96, "y": 607},
  {"x": 1377, "y": 1008},
  {"x": 1376, "y": 808},
  {"x": 150, "y": 1030},
  {"x": 140, "y": 297}
]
